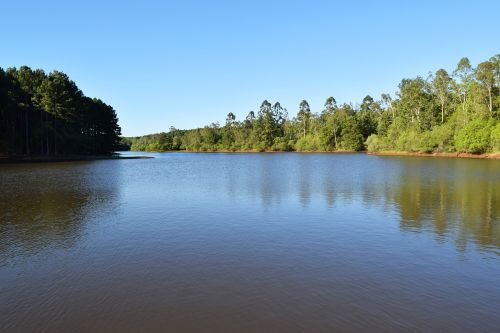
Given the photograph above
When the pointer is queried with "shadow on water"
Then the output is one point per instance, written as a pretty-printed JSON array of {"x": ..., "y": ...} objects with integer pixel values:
[{"x": 47, "y": 206}]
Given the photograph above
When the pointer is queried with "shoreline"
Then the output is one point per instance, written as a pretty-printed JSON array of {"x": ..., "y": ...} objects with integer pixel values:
[
  {"x": 490, "y": 156},
  {"x": 255, "y": 151},
  {"x": 80, "y": 158},
  {"x": 64, "y": 158}
]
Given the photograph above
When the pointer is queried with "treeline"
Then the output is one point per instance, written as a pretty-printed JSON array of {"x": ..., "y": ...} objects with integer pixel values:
[
  {"x": 47, "y": 114},
  {"x": 444, "y": 112}
]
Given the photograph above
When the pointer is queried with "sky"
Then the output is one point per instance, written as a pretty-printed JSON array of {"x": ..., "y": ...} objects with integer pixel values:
[{"x": 189, "y": 63}]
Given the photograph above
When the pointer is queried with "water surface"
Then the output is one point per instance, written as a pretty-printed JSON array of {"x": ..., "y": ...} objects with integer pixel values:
[{"x": 251, "y": 243}]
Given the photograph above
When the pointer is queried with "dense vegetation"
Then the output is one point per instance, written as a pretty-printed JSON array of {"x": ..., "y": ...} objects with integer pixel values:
[
  {"x": 455, "y": 112},
  {"x": 46, "y": 114}
]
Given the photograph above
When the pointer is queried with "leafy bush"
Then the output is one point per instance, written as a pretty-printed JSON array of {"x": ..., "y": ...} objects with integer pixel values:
[
  {"x": 374, "y": 143},
  {"x": 281, "y": 144},
  {"x": 308, "y": 143},
  {"x": 425, "y": 143},
  {"x": 495, "y": 138},
  {"x": 442, "y": 138},
  {"x": 475, "y": 136},
  {"x": 408, "y": 141}
]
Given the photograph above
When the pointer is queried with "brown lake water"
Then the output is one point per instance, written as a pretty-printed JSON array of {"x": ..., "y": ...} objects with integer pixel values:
[{"x": 251, "y": 243}]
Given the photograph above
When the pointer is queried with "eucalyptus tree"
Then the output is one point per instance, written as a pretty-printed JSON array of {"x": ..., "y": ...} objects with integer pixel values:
[
  {"x": 387, "y": 104},
  {"x": 485, "y": 74},
  {"x": 249, "y": 120},
  {"x": 265, "y": 124},
  {"x": 367, "y": 117},
  {"x": 496, "y": 64},
  {"x": 304, "y": 115},
  {"x": 330, "y": 105},
  {"x": 367, "y": 104},
  {"x": 462, "y": 85},
  {"x": 279, "y": 113},
  {"x": 230, "y": 119},
  {"x": 331, "y": 124},
  {"x": 413, "y": 96},
  {"x": 227, "y": 131},
  {"x": 329, "y": 130},
  {"x": 441, "y": 85}
]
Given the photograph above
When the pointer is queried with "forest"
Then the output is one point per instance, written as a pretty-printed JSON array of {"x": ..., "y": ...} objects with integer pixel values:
[
  {"x": 455, "y": 111},
  {"x": 47, "y": 114}
]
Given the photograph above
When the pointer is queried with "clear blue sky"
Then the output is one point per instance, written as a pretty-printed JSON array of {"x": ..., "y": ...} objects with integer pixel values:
[{"x": 189, "y": 63}]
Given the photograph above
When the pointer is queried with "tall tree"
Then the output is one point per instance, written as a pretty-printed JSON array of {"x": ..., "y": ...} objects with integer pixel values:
[
  {"x": 330, "y": 105},
  {"x": 441, "y": 86},
  {"x": 331, "y": 125},
  {"x": 387, "y": 103},
  {"x": 304, "y": 115},
  {"x": 485, "y": 73},
  {"x": 230, "y": 119},
  {"x": 44, "y": 114},
  {"x": 464, "y": 77},
  {"x": 413, "y": 97},
  {"x": 367, "y": 121}
]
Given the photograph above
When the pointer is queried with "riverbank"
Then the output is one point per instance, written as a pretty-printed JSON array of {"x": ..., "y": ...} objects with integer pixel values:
[
  {"x": 63, "y": 158},
  {"x": 260, "y": 151},
  {"x": 494, "y": 156}
]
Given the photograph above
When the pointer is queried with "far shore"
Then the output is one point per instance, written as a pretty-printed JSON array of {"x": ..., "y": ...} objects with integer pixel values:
[
  {"x": 239, "y": 151},
  {"x": 63, "y": 158},
  {"x": 493, "y": 156}
]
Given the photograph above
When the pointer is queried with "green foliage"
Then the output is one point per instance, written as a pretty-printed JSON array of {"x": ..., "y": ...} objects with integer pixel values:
[
  {"x": 308, "y": 143},
  {"x": 157, "y": 142},
  {"x": 351, "y": 135},
  {"x": 48, "y": 114},
  {"x": 475, "y": 136},
  {"x": 442, "y": 138},
  {"x": 407, "y": 141},
  {"x": 281, "y": 144},
  {"x": 444, "y": 113},
  {"x": 495, "y": 138},
  {"x": 374, "y": 143}
]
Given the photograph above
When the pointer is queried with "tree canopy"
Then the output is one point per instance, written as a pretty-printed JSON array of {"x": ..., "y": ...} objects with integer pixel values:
[
  {"x": 47, "y": 114},
  {"x": 442, "y": 113}
]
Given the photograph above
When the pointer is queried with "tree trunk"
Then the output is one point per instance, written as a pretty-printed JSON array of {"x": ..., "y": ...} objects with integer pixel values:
[
  {"x": 464, "y": 110},
  {"x": 26, "y": 122},
  {"x": 47, "y": 134},
  {"x": 491, "y": 103},
  {"x": 442, "y": 112},
  {"x": 335, "y": 137},
  {"x": 41, "y": 131},
  {"x": 55, "y": 135}
]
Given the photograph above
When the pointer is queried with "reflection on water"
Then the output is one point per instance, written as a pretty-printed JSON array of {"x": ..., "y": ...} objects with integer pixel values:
[
  {"x": 47, "y": 205},
  {"x": 459, "y": 199},
  {"x": 251, "y": 242}
]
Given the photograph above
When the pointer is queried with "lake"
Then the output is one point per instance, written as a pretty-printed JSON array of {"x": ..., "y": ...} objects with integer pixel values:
[{"x": 281, "y": 242}]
